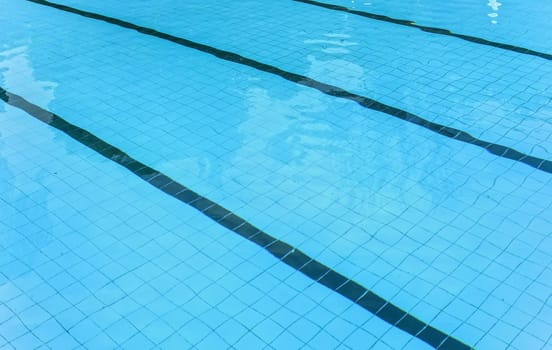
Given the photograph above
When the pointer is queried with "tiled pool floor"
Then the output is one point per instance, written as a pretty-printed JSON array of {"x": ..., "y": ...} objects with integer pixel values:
[{"x": 305, "y": 129}]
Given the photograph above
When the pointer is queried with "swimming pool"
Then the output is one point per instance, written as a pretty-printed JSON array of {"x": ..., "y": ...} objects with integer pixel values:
[{"x": 290, "y": 174}]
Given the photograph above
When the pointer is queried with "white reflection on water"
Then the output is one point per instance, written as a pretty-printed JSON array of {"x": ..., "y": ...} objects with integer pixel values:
[
  {"x": 494, "y": 4},
  {"x": 18, "y": 76},
  {"x": 27, "y": 188}
]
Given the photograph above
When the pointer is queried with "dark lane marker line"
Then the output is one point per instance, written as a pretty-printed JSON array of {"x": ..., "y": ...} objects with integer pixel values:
[
  {"x": 286, "y": 253},
  {"x": 456, "y": 134},
  {"x": 433, "y": 30}
]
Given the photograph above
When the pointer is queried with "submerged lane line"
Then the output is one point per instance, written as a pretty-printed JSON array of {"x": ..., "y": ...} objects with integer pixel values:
[
  {"x": 366, "y": 102},
  {"x": 286, "y": 253},
  {"x": 439, "y": 31}
]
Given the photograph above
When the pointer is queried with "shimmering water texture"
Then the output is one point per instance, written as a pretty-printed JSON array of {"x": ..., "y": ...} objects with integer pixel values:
[{"x": 289, "y": 175}]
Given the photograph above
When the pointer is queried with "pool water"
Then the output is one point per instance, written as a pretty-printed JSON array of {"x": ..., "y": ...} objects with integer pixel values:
[{"x": 284, "y": 175}]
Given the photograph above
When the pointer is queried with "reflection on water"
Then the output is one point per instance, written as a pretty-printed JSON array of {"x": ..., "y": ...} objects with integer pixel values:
[
  {"x": 17, "y": 73},
  {"x": 326, "y": 156},
  {"x": 23, "y": 187},
  {"x": 494, "y": 4}
]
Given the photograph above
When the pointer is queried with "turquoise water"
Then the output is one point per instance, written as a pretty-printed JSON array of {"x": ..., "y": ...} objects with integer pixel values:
[{"x": 450, "y": 233}]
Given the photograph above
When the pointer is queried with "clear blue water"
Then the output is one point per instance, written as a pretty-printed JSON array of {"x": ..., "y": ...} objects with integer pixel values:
[{"x": 94, "y": 257}]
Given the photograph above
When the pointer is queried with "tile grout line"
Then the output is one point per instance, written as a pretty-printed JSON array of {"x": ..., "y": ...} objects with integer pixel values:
[
  {"x": 284, "y": 252},
  {"x": 433, "y": 30},
  {"x": 331, "y": 90}
]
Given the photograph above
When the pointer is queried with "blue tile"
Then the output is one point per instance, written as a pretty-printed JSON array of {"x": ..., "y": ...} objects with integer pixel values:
[
  {"x": 469, "y": 334},
  {"x": 249, "y": 317},
  {"x": 26, "y": 341},
  {"x": 121, "y": 331},
  {"x": 304, "y": 330},
  {"x": 446, "y": 321},
  {"x": 90, "y": 305},
  {"x": 527, "y": 341},
  {"x": 175, "y": 341},
  {"x": 139, "y": 341},
  {"x": 85, "y": 330},
  {"x": 101, "y": 341},
  {"x": 9, "y": 291},
  {"x": 70, "y": 317},
  {"x": 360, "y": 339},
  {"x": 284, "y": 317},
  {"x": 63, "y": 341},
  {"x": 41, "y": 292},
  {"x": 105, "y": 316},
  {"x": 490, "y": 342},
  {"x": 48, "y": 330},
  {"x": 287, "y": 340},
  {"x": 231, "y": 306},
  {"x": 213, "y": 341},
  {"x": 505, "y": 331},
  {"x": 124, "y": 306},
  {"x": 20, "y": 303},
  {"x": 482, "y": 320},
  {"x": 300, "y": 304},
  {"x": 141, "y": 318},
  {"x": 164, "y": 283},
  {"x": 34, "y": 315},
  {"x": 336, "y": 303},
  {"x": 231, "y": 331},
  {"x": 157, "y": 331},
  {"x": 194, "y": 331},
  {"x": 324, "y": 340},
  {"x": 267, "y": 330},
  {"x": 215, "y": 294},
  {"x": 250, "y": 341}
]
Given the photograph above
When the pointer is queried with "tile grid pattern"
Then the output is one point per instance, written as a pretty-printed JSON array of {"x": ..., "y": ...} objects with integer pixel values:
[
  {"x": 281, "y": 250},
  {"x": 432, "y": 30},
  {"x": 456, "y": 134},
  {"x": 313, "y": 192},
  {"x": 146, "y": 278},
  {"x": 424, "y": 305},
  {"x": 494, "y": 95}
]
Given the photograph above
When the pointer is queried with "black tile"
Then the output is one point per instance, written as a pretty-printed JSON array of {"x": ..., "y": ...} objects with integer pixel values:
[
  {"x": 411, "y": 325},
  {"x": 216, "y": 212},
  {"x": 545, "y": 165},
  {"x": 262, "y": 239},
  {"x": 134, "y": 165},
  {"x": 314, "y": 269},
  {"x": 371, "y": 302},
  {"x": 432, "y": 336},
  {"x": 160, "y": 180},
  {"x": 108, "y": 151},
  {"x": 123, "y": 159},
  {"x": 453, "y": 344},
  {"x": 173, "y": 188},
  {"x": 187, "y": 196},
  {"x": 201, "y": 203},
  {"x": 279, "y": 248},
  {"x": 390, "y": 313},
  {"x": 332, "y": 280},
  {"x": 59, "y": 123},
  {"x": 351, "y": 290},
  {"x": 499, "y": 150},
  {"x": 297, "y": 259},
  {"x": 146, "y": 173},
  {"x": 231, "y": 221},
  {"x": 246, "y": 230}
]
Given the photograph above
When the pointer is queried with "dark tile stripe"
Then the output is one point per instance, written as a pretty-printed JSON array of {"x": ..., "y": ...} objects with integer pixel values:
[
  {"x": 456, "y": 134},
  {"x": 281, "y": 250},
  {"x": 432, "y": 30}
]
